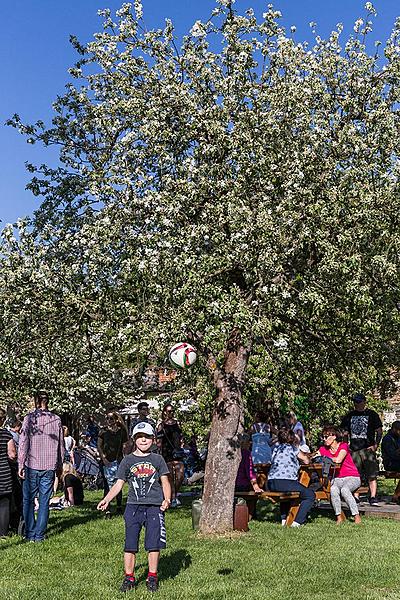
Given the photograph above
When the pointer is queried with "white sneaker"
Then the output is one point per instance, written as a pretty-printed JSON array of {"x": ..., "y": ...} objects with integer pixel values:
[
  {"x": 283, "y": 522},
  {"x": 175, "y": 503},
  {"x": 295, "y": 524}
]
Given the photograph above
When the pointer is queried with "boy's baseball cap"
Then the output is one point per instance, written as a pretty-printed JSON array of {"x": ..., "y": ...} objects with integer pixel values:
[{"x": 145, "y": 428}]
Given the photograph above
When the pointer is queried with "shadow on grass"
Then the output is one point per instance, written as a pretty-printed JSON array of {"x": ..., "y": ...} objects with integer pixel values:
[
  {"x": 65, "y": 519},
  {"x": 224, "y": 571},
  {"x": 68, "y": 518},
  {"x": 171, "y": 565}
]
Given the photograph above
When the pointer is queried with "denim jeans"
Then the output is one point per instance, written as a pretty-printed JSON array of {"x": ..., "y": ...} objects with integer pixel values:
[
  {"x": 36, "y": 484},
  {"x": 110, "y": 475},
  {"x": 307, "y": 497}
]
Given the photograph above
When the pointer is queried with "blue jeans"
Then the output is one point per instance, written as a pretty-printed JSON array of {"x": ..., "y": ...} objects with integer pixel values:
[
  {"x": 307, "y": 497},
  {"x": 36, "y": 484},
  {"x": 110, "y": 474}
]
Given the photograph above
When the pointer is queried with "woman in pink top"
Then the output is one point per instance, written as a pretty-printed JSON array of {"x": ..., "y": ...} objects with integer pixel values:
[{"x": 347, "y": 478}]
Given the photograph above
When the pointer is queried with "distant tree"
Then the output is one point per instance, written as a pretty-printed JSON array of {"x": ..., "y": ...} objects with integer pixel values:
[{"x": 240, "y": 191}]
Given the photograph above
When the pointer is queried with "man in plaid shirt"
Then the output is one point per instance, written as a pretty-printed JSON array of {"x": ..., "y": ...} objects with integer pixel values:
[{"x": 40, "y": 455}]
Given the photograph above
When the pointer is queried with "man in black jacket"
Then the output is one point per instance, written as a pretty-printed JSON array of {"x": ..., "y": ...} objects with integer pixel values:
[{"x": 391, "y": 454}]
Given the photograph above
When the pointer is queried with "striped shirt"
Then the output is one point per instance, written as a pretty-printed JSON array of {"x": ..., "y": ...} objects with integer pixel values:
[
  {"x": 5, "y": 470},
  {"x": 41, "y": 442}
]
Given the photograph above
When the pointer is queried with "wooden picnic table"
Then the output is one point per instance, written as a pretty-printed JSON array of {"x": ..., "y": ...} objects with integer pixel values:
[
  {"x": 305, "y": 478},
  {"x": 306, "y": 471}
]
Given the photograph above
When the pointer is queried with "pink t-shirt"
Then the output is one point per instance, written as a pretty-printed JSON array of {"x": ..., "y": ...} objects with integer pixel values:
[{"x": 347, "y": 468}]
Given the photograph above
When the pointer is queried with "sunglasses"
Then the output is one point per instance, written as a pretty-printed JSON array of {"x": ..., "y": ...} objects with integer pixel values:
[
  {"x": 328, "y": 435},
  {"x": 110, "y": 419}
]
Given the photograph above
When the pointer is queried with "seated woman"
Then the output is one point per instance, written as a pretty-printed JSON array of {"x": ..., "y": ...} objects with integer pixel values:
[
  {"x": 246, "y": 478},
  {"x": 347, "y": 478},
  {"x": 260, "y": 431},
  {"x": 73, "y": 489},
  {"x": 283, "y": 475}
]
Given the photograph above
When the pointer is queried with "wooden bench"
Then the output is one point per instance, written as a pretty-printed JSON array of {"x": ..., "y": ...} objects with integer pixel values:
[
  {"x": 390, "y": 474},
  {"x": 252, "y": 498}
]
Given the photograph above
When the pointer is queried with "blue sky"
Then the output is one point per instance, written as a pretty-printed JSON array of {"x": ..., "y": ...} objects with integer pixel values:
[{"x": 36, "y": 54}]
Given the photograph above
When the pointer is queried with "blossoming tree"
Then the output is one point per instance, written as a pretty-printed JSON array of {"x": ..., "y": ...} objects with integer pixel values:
[{"x": 239, "y": 190}]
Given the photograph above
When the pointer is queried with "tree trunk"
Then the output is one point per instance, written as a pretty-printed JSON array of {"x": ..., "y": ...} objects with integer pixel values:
[{"x": 224, "y": 445}]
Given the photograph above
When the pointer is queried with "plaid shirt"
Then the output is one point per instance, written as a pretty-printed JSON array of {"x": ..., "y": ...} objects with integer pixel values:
[{"x": 41, "y": 442}]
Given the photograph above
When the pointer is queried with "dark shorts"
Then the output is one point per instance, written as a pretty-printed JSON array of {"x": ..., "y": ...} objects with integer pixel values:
[
  {"x": 366, "y": 463},
  {"x": 137, "y": 515}
]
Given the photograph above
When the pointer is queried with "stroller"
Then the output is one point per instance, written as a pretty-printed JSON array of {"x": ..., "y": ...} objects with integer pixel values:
[{"x": 87, "y": 465}]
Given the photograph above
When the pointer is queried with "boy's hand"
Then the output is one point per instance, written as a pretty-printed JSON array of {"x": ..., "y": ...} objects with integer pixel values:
[
  {"x": 103, "y": 504},
  {"x": 165, "y": 505}
]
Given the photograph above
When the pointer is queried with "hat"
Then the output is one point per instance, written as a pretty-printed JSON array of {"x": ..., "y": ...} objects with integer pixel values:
[
  {"x": 142, "y": 405},
  {"x": 143, "y": 427},
  {"x": 358, "y": 398}
]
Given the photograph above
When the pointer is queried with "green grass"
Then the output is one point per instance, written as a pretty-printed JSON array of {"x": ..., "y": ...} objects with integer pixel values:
[{"x": 82, "y": 560}]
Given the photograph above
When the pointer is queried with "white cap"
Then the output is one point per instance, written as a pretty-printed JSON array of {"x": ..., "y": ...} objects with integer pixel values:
[{"x": 143, "y": 427}]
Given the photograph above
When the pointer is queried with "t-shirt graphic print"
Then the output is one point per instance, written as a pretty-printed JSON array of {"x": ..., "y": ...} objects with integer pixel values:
[
  {"x": 142, "y": 473},
  {"x": 142, "y": 478},
  {"x": 359, "y": 427}
]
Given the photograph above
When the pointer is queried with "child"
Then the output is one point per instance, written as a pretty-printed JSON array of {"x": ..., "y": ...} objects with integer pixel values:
[{"x": 149, "y": 496}]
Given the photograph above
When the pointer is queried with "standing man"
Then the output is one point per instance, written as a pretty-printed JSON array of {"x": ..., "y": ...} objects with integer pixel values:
[
  {"x": 40, "y": 455},
  {"x": 364, "y": 429},
  {"x": 143, "y": 417}
]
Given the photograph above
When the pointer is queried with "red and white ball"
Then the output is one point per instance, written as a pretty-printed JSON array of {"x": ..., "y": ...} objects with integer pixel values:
[{"x": 182, "y": 355}]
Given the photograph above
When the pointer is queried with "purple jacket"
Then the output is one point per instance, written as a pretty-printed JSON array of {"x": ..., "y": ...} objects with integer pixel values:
[{"x": 246, "y": 470}]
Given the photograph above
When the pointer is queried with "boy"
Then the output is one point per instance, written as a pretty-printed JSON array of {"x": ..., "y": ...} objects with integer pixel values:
[{"x": 149, "y": 496}]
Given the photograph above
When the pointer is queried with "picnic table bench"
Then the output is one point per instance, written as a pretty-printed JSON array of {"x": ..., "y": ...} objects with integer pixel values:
[
  {"x": 390, "y": 474},
  {"x": 252, "y": 498}
]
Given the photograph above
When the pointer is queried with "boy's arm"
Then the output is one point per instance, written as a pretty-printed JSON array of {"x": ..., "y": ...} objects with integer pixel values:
[
  {"x": 166, "y": 488},
  {"x": 116, "y": 488}
]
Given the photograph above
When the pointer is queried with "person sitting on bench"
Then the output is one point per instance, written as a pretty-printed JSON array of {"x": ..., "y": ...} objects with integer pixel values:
[
  {"x": 391, "y": 454},
  {"x": 246, "y": 479},
  {"x": 283, "y": 475},
  {"x": 347, "y": 478}
]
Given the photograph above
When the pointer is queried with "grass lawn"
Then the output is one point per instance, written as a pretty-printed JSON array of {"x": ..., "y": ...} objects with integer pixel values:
[{"x": 82, "y": 560}]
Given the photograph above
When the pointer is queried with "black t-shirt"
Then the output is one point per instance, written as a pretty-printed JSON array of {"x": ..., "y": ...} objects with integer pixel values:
[
  {"x": 113, "y": 443},
  {"x": 361, "y": 425},
  {"x": 170, "y": 435},
  {"x": 71, "y": 480},
  {"x": 142, "y": 473}
]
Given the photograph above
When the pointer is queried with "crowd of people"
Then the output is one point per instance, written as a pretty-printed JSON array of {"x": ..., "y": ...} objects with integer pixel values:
[
  {"x": 38, "y": 455},
  {"x": 351, "y": 448}
]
